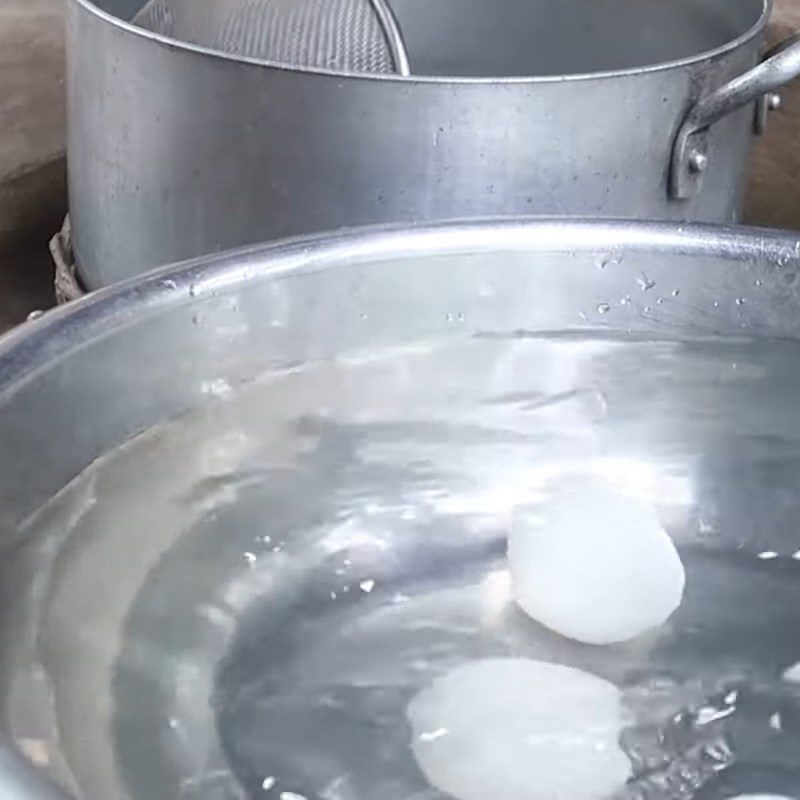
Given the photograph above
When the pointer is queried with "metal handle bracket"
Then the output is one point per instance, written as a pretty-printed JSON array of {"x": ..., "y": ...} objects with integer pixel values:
[{"x": 690, "y": 149}]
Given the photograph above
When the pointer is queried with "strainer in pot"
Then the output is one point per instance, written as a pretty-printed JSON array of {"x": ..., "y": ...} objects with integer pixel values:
[{"x": 344, "y": 35}]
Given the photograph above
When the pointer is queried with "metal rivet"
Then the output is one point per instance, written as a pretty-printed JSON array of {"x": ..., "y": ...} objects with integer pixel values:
[
  {"x": 697, "y": 161},
  {"x": 773, "y": 101}
]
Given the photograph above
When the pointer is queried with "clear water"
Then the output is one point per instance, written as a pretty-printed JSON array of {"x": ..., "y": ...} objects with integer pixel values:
[{"x": 241, "y": 603}]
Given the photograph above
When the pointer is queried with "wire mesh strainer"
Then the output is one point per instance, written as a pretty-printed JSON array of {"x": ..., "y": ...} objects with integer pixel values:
[{"x": 345, "y": 35}]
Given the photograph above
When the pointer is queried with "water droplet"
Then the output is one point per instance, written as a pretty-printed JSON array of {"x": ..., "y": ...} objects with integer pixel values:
[
  {"x": 192, "y": 290},
  {"x": 625, "y": 301},
  {"x": 775, "y": 721},
  {"x": 708, "y": 714},
  {"x": 767, "y": 555},
  {"x": 603, "y": 308},
  {"x": 367, "y": 586},
  {"x": 268, "y": 783},
  {"x": 645, "y": 282},
  {"x": 731, "y": 697},
  {"x": 719, "y": 751},
  {"x": 250, "y": 558},
  {"x": 292, "y": 796},
  {"x": 676, "y": 292},
  {"x": 169, "y": 284},
  {"x": 462, "y": 317},
  {"x": 740, "y": 301},
  {"x": 716, "y": 304},
  {"x": 449, "y": 318},
  {"x": 660, "y": 301},
  {"x": 333, "y": 595},
  {"x": 363, "y": 316},
  {"x": 758, "y": 282},
  {"x": 647, "y": 309},
  {"x": 432, "y": 736}
]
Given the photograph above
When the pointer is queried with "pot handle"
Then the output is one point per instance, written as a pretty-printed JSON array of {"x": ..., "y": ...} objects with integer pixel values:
[{"x": 689, "y": 152}]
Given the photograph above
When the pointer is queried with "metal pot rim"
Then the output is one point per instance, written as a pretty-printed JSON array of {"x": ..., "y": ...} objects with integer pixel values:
[
  {"x": 199, "y": 50},
  {"x": 33, "y": 346}
]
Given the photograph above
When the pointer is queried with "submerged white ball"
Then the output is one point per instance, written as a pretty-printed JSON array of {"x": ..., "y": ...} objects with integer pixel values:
[
  {"x": 516, "y": 729},
  {"x": 594, "y": 564}
]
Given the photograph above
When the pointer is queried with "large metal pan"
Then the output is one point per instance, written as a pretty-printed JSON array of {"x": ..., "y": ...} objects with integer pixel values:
[
  {"x": 239, "y": 487},
  {"x": 614, "y": 108}
]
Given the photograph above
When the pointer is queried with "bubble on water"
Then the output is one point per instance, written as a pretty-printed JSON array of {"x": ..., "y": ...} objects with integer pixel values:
[{"x": 603, "y": 308}]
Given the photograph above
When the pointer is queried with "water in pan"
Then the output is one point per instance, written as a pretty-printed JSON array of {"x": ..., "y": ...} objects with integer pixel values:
[{"x": 242, "y": 603}]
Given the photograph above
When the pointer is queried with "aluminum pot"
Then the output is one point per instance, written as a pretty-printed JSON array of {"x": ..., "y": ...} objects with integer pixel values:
[
  {"x": 199, "y": 464},
  {"x": 615, "y": 108}
]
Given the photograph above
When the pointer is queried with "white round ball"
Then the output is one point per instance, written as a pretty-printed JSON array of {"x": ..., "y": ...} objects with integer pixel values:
[
  {"x": 594, "y": 564},
  {"x": 516, "y": 728}
]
